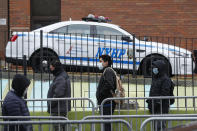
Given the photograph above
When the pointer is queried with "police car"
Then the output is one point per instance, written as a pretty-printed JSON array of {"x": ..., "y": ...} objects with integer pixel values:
[{"x": 80, "y": 43}]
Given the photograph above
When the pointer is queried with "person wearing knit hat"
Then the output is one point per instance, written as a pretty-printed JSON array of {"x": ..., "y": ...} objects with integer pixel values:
[
  {"x": 15, "y": 105},
  {"x": 59, "y": 88}
]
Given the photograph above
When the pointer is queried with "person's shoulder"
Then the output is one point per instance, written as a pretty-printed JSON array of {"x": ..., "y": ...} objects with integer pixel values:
[
  {"x": 109, "y": 69},
  {"x": 12, "y": 97},
  {"x": 63, "y": 75}
]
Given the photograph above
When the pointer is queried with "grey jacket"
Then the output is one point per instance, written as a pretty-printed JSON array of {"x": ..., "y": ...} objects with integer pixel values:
[{"x": 59, "y": 88}]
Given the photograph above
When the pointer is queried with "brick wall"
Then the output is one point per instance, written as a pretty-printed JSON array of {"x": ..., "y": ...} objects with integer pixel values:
[
  {"x": 19, "y": 15},
  {"x": 169, "y": 18},
  {"x": 3, "y": 26}
]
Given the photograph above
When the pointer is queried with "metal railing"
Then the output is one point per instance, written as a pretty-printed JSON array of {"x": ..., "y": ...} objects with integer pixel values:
[
  {"x": 136, "y": 120},
  {"x": 31, "y": 50},
  {"x": 79, "y": 106},
  {"x": 33, "y": 117},
  {"x": 165, "y": 119},
  {"x": 186, "y": 103},
  {"x": 65, "y": 122}
]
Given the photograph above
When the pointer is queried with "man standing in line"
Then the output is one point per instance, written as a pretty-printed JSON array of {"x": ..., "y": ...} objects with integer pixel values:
[
  {"x": 106, "y": 86},
  {"x": 59, "y": 88},
  {"x": 15, "y": 105},
  {"x": 161, "y": 84}
]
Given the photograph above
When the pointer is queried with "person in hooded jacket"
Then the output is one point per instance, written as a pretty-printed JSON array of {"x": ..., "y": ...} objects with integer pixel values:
[
  {"x": 161, "y": 84},
  {"x": 59, "y": 88},
  {"x": 106, "y": 86},
  {"x": 15, "y": 105}
]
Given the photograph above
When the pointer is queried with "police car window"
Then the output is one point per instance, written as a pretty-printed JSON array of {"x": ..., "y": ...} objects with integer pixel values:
[
  {"x": 79, "y": 29},
  {"x": 108, "y": 33},
  {"x": 62, "y": 30}
]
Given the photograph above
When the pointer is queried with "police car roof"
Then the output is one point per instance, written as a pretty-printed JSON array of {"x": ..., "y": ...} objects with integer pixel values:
[{"x": 64, "y": 23}]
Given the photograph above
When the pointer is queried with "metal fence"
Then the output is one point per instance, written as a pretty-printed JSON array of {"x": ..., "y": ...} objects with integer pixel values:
[
  {"x": 129, "y": 53},
  {"x": 24, "y": 118},
  {"x": 31, "y": 52},
  {"x": 138, "y": 105},
  {"x": 40, "y": 125},
  {"x": 137, "y": 120},
  {"x": 80, "y": 107},
  {"x": 134, "y": 110},
  {"x": 160, "y": 119}
]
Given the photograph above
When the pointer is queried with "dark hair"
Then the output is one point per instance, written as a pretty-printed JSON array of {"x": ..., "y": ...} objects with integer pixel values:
[
  {"x": 106, "y": 58},
  {"x": 56, "y": 63}
]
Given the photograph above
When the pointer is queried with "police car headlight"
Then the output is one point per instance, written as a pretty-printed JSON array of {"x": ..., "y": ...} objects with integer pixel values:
[{"x": 180, "y": 54}]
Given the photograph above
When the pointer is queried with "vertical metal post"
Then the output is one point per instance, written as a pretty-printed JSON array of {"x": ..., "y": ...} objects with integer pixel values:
[
  {"x": 134, "y": 59},
  {"x": 195, "y": 60},
  {"x": 24, "y": 65},
  {"x": 41, "y": 64},
  {"x": 25, "y": 69},
  {"x": 41, "y": 50}
]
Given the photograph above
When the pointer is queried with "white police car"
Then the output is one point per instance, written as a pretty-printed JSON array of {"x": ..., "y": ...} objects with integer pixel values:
[{"x": 80, "y": 43}]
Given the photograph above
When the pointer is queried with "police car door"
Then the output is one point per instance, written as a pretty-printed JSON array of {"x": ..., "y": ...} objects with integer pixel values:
[
  {"x": 81, "y": 48},
  {"x": 110, "y": 43},
  {"x": 73, "y": 41}
]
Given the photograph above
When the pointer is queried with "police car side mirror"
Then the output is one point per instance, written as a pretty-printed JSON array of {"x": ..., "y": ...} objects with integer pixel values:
[{"x": 126, "y": 38}]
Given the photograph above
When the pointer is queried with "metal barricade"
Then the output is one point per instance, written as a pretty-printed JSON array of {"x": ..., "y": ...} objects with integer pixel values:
[
  {"x": 182, "y": 103},
  {"x": 79, "y": 106},
  {"x": 166, "y": 118},
  {"x": 132, "y": 119},
  {"x": 35, "y": 118},
  {"x": 65, "y": 122}
]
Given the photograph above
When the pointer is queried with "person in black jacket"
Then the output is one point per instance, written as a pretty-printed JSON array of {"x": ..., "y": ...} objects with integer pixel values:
[
  {"x": 59, "y": 88},
  {"x": 15, "y": 105},
  {"x": 160, "y": 86},
  {"x": 106, "y": 86}
]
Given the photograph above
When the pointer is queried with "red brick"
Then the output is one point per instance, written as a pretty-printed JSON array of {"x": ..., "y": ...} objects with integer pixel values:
[{"x": 164, "y": 18}]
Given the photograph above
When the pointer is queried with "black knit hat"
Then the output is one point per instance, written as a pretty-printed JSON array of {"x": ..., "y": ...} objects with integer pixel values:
[
  {"x": 58, "y": 67},
  {"x": 20, "y": 83},
  {"x": 56, "y": 63}
]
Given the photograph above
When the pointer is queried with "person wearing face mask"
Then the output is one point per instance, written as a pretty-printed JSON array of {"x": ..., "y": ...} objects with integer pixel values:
[
  {"x": 107, "y": 85},
  {"x": 161, "y": 84},
  {"x": 59, "y": 88},
  {"x": 15, "y": 105}
]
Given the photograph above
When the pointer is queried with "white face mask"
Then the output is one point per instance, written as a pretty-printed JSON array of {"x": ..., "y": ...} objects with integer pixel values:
[
  {"x": 100, "y": 66},
  {"x": 155, "y": 71}
]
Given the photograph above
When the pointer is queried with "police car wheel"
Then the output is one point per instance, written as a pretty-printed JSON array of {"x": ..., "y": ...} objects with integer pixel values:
[{"x": 42, "y": 64}]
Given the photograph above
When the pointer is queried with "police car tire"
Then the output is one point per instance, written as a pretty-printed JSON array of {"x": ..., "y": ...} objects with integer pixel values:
[{"x": 35, "y": 62}]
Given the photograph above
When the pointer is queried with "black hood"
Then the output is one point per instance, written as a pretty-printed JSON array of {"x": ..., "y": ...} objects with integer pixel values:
[
  {"x": 161, "y": 65},
  {"x": 58, "y": 67},
  {"x": 19, "y": 84}
]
